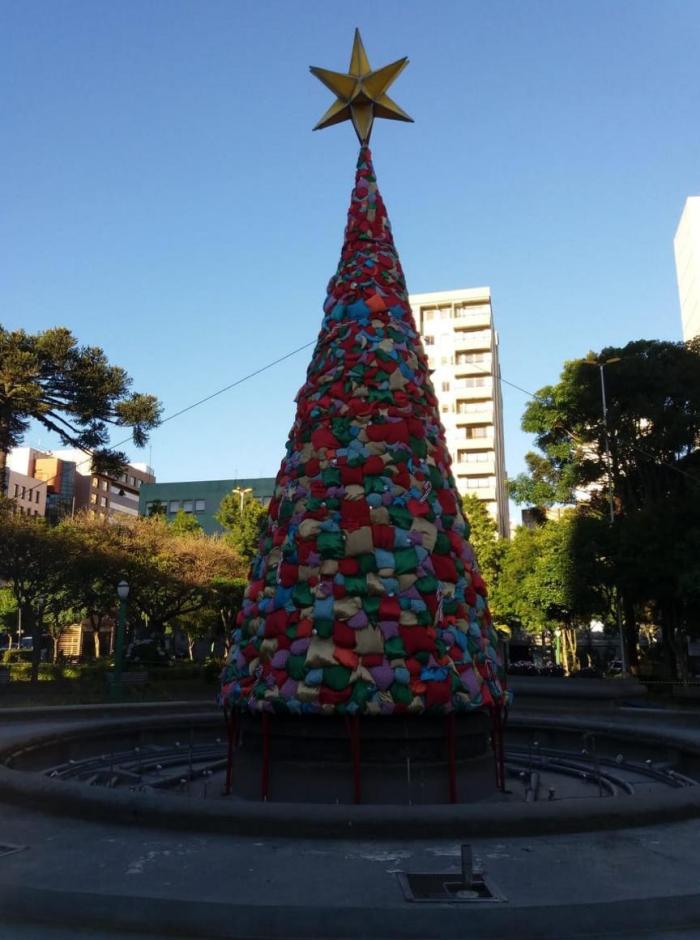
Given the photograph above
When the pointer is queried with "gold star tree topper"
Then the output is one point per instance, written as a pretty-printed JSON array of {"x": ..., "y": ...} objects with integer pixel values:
[{"x": 361, "y": 93}]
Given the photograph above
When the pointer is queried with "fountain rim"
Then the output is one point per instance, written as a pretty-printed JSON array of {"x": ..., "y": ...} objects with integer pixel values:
[{"x": 329, "y": 821}]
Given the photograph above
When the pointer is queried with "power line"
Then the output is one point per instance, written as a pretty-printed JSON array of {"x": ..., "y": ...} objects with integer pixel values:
[
  {"x": 533, "y": 395},
  {"x": 195, "y": 404},
  {"x": 577, "y": 440}
]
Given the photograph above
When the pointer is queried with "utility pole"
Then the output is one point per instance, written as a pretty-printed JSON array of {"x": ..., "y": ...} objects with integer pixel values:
[{"x": 611, "y": 495}]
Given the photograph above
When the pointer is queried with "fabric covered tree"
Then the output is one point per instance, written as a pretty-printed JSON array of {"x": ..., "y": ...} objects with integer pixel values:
[{"x": 365, "y": 597}]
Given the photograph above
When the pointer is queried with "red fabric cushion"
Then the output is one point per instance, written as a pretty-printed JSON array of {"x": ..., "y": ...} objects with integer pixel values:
[{"x": 445, "y": 568}]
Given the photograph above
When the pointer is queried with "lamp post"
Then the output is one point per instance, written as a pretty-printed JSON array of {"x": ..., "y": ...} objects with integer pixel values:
[
  {"x": 242, "y": 493},
  {"x": 611, "y": 496},
  {"x": 123, "y": 593}
]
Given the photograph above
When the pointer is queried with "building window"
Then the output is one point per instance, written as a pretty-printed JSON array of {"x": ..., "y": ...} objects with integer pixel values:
[
  {"x": 16, "y": 489},
  {"x": 465, "y": 357},
  {"x": 429, "y": 340},
  {"x": 173, "y": 505},
  {"x": 472, "y": 382},
  {"x": 200, "y": 505},
  {"x": 474, "y": 456},
  {"x": 445, "y": 386},
  {"x": 428, "y": 314},
  {"x": 36, "y": 496},
  {"x": 480, "y": 483},
  {"x": 445, "y": 409},
  {"x": 95, "y": 483},
  {"x": 103, "y": 501},
  {"x": 472, "y": 433},
  {"x": 187, "y": 505},
  {"x": 104, "y": 485}
]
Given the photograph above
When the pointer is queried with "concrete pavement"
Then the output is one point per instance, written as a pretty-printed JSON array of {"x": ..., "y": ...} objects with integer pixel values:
[{"x": 78, "y": 878}]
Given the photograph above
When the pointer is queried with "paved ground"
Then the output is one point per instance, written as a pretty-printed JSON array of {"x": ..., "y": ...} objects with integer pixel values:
[{"x": 75, "y": 873}]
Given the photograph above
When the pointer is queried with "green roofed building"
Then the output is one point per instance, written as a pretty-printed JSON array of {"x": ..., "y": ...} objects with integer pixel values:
[{"x": 201, "y": 498}]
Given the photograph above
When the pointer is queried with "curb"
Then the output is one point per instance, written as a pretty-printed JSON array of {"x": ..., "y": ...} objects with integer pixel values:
[
  {"x": 174, "y": 917},
  {"x": 101, "y": 710}
]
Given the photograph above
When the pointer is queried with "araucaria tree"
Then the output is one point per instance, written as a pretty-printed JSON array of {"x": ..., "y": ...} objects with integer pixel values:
[
  {"x": 645, "y": 458},
  {"x": 72, "y": 391}
]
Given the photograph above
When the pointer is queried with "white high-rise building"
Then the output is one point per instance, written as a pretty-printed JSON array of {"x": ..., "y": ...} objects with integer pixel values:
[
  {"x": 686, "y": 246},
  {"x": 462, "y": 348}
]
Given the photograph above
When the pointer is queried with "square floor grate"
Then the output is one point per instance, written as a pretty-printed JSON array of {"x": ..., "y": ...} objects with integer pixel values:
[
  {"x": 442, "y": 887},
  {"x": 6, "y": 849}
]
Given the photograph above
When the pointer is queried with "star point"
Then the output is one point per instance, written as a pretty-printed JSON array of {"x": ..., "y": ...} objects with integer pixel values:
[{"x": 361, "y": 92}]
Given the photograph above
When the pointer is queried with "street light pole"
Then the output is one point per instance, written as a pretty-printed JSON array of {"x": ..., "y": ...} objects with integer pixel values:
[
  {"x": 608, "y": 458},
  {"x": 611, "y": 495},
  {"x": 123, "y": 592},
  {"x": 242, "y": 494}
]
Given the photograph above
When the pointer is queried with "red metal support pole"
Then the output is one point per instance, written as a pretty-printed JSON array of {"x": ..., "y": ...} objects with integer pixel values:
[{"x": 451, "y": 757}]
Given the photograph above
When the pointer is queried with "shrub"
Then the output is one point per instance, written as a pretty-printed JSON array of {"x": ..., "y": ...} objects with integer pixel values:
[{"x": 17, "y": 656}]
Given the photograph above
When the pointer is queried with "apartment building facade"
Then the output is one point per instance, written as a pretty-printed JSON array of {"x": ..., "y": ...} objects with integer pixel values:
[
  {"x": 461, "y": 343},
  {"x": 686, "y": 247},
  {"x": 28, "y": 494},
  {"x": 65, "y": 483},
  {"x": 112, "y": 495}
]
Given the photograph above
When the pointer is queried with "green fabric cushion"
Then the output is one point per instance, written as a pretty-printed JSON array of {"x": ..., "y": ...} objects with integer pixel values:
[
  {"x": 442, "y": 544},
  {"x": 336, "y": 677},
  {"x": 400, "y": 517},
  {"x": 323, "y": 627},
  {"x": 367, "y": 563},
  {"x": 401, "y": 694},
  {"x": 406, "y": 560},
  {"x": 394, "y": 648},
  {"x": 330, "y": 545},
  {"x": 301, "y": 595},
  {"x": 296, "y": 667},
  {"x": 427, "y": 584}
]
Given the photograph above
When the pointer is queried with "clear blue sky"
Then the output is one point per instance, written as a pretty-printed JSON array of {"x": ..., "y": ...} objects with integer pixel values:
[{"x": 162, "y": 195}]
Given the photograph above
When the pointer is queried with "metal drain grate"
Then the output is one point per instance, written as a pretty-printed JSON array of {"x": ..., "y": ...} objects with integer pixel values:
[
  {"x": 442, "y": 887},
  {"x": 10, "y": 849}
]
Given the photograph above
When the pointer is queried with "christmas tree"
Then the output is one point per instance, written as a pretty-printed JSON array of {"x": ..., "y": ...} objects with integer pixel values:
[{"x": 365, "y": 597}]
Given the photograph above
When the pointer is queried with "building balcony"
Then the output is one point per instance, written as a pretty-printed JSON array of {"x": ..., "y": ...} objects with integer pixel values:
[
  {"x": 472, "y": 392},
  {"x": 473, "y": 443},
  {"x": 466, "y": 466}
]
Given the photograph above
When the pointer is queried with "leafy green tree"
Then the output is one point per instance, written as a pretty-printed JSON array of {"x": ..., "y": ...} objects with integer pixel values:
[
  {"x": 651, "y": 437},
  {"x": 545, "y": 582},
  {"x": 185, "y": 523},
  {"x": 512, "y": 595},
  {"x": 171, "y": 576},
  {"x": 71, "y": 390},
  {"x": 8, "y": 612},
  {"x": 98, "y": 555},
  {"x": 244, "y": 519},
  {"x": 227, "y": 598},
  {"x": 483, "y": 535},
  {"x": 32, "y": 564}
]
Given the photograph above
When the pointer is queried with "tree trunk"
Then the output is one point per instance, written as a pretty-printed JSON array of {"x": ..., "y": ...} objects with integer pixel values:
[
  {"x": 54, "y": 658},
  {"x": 668, "y": 637},
  {"x": 630, "y": 631},
  {"x": 4, "y": 451},
  {"x": 34, "y": 623},
  {"x": 190, "y": 645}
]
